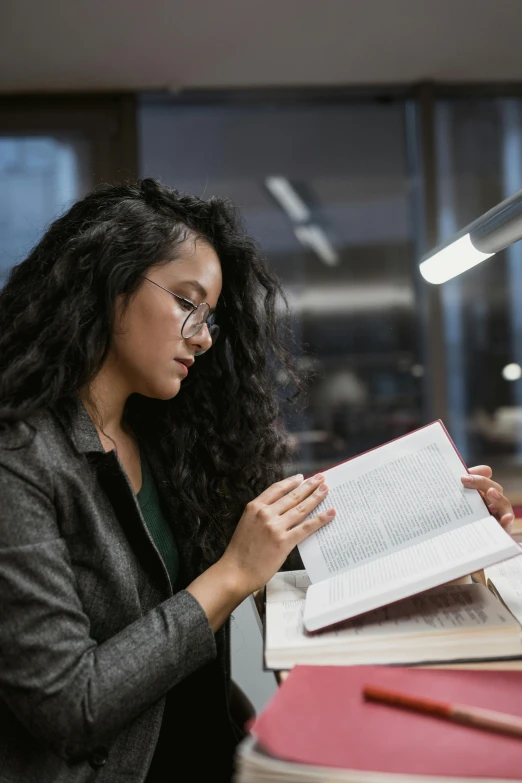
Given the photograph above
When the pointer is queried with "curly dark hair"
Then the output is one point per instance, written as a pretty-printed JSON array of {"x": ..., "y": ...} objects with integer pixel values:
[{"x": 221, "y": 438}]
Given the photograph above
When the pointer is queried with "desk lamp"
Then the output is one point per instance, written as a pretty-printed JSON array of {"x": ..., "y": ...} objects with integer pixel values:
[{"x": 493, "y": 231}]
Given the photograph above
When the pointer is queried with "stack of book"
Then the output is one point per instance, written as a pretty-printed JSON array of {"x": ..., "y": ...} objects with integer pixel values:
[
  {"x": 319, "y": 728},
  {"x": 375, "y": 591},
  {"x": 448, "y": 624}
]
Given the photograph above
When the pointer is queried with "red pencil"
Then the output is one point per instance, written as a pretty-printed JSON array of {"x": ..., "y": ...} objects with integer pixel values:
[{"x": 471, "y": 716}]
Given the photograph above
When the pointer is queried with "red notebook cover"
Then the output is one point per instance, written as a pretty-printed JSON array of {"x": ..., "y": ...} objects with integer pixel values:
[{"x": 319, "y": 717}]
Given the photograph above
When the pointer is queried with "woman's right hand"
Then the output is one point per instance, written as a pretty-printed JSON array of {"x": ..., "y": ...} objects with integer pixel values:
[{"x": 271, "y": 526}]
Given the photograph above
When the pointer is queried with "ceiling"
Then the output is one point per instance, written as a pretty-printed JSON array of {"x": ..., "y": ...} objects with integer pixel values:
[{"x": 63, "y": 45}]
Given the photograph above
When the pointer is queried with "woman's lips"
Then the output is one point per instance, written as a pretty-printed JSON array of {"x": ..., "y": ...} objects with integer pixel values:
[{"x": 182, "y": 367}]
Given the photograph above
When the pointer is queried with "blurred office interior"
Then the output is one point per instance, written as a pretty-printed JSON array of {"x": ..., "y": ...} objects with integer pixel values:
[{"x": 354, "y": 136}]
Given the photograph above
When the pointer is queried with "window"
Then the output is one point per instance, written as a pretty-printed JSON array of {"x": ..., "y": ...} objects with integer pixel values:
[
  {"x": 53, "y": 149},
  {"x": 40, "y": 176}
]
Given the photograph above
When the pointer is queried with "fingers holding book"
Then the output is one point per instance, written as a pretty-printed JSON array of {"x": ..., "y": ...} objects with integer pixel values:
[
  {"x": 295, "y": 508},
  {"x": 303, "y": 498},
  {"x": 480, "y": 478},
  {"x": 302, "y": 529},
  {"x": 272, "y": 525}
]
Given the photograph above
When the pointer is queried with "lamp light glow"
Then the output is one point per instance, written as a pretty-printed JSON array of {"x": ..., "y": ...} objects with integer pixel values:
[
  {"x": 512, "y": 372},
  {"x": 452, "y": 260}
]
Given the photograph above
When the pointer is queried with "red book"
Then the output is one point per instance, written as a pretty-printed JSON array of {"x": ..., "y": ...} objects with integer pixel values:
[{"x": 319, "y": 717}]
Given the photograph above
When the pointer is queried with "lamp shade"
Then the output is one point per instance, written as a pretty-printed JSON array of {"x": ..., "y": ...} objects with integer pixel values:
[
  {"x": 500, "y": 227},
  {"x": 493, "y": 231}
]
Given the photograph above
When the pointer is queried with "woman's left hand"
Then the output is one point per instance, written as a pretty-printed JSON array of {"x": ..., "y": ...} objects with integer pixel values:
[{"x": 492, "y": 493}]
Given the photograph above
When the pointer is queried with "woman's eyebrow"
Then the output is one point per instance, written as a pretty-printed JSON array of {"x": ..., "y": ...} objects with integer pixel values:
[
  {"x": 198, "y": 289},
  {"x": 196, "y": 286}
]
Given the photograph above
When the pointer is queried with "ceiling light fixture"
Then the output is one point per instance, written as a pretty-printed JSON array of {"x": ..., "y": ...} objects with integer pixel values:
[
  {"x": 288, "y": 199},
  {"x": 314, "y": 237}
]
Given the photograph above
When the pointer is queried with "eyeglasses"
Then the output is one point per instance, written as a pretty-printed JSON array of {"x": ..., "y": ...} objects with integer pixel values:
[{"x": 198, "y": 316}]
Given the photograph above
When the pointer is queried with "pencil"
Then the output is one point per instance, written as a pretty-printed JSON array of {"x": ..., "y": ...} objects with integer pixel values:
[{"x": 476, "y": 717}]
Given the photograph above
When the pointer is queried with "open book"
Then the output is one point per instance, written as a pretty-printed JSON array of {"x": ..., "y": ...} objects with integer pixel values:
[
  {"x": 449, "y": 623},
  {"x": 404, "y": 523}
]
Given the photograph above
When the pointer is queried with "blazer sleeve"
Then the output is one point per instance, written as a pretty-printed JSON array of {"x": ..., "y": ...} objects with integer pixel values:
[{"x": 70, "y": 692}]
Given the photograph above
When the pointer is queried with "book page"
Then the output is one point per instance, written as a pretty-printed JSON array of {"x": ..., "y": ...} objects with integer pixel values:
[
  {"x": 407, "y": 571},
  {"x": 287, "y": 586},
  {"x": 506, "y": 578},
  {"x": 451, "y": 608},
  {"x": 403, "y": 493}
]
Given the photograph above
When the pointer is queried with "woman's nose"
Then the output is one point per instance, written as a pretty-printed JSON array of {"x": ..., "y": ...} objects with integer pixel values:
[{"x": 201, "y": 341}]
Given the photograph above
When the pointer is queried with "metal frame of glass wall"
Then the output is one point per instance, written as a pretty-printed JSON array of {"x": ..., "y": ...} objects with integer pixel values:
[
  {"x": 107, "y": 121},
  {"x": 54, "y": 149}
]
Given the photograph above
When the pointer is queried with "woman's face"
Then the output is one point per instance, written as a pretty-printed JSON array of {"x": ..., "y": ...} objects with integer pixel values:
[{"x": 148, "y": 349}]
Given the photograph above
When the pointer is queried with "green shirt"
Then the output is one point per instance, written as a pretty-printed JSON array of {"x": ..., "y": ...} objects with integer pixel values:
[{"x": 157, "y": 525}]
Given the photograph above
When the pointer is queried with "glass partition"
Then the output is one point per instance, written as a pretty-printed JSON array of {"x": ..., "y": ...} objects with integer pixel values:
[
  {"x": 479, "y": 163},
  {"x": 325, "y": 190}
]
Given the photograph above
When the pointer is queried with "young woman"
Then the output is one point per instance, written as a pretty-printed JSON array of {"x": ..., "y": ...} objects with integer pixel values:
[{"x": 141, "y": 460}]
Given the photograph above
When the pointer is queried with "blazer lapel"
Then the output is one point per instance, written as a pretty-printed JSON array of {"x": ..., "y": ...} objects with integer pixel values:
[{"x": 116, "y": 485}]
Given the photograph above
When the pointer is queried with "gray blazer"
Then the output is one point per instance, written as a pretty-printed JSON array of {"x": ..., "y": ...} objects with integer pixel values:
[{"x": 91, "y": 636}]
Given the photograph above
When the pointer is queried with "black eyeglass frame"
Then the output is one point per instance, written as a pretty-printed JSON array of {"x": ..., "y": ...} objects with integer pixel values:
[{"x": 213, "y": 329}]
